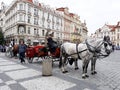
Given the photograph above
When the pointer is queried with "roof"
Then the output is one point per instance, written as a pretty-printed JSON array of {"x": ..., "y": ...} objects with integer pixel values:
[
  {"x": 30, "y": 1},
  {"x": 113, "y": 27},
  {"x": 62, "y": 8}
]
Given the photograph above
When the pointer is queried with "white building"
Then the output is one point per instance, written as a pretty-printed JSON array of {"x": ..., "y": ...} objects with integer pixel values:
[
  {"x": 31, "y": 20},
  {"x": 110, "y": 30},
  {"x": 2, "y": 15}
]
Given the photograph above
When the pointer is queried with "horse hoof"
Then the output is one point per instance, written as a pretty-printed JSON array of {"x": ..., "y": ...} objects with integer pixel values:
[
  {"x": 87, "y": 76},
  {"x": 92, "y": 73},
  {"x": 76, "y": 68},
  {"x": 95, "y": 72},
  {"x": 64, "y": 71},
  {"x": 83, "y": 77}
]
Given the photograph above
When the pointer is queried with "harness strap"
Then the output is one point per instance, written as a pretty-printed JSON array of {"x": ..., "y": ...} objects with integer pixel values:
[{"x": 77, "y": 51}]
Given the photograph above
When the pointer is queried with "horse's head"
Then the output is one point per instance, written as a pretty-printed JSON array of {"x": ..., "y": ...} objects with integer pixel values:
[{"x": 104, "y": 47}]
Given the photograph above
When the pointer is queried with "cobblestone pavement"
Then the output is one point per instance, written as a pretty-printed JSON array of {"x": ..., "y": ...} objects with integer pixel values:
[
  {"x": 108, "y": 73},
  {"x": 16, "y": 76}
]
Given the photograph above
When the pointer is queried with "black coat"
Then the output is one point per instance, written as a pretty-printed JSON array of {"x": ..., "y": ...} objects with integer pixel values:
[{"x": 51, "y": 42}]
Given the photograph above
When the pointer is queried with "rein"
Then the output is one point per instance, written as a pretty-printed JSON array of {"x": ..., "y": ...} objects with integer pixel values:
[{"x": 95, "y": 48}]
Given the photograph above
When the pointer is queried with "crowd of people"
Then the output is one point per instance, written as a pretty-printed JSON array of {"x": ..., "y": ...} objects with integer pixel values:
[{"x": 14, "y": 49}]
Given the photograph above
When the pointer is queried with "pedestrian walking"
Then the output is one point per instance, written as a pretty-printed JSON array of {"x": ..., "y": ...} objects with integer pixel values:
[{"x": 22, "y": 48}]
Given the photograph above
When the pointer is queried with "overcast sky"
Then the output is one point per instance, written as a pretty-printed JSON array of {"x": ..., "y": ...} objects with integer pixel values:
[{"x": 95, "y": 12}]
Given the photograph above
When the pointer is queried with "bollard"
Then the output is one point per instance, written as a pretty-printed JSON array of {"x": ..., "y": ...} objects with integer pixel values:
[{"x": 47, "y": 67}]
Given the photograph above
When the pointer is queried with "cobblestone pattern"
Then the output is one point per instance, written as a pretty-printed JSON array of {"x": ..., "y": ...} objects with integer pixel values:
[
  {"x": 108, "y": 73},
  {"x": 107, "y": 77}
]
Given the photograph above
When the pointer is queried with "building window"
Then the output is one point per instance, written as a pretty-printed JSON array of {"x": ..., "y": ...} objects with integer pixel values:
[
  {"x": 35, "y": 11},
  {"x": 43, "y": 20},
  {"x": 20, "y": 6},
  {"x": 35, "y": 31},
  {"x": 43, "y": 32},
  {"x": 29, "y": 9},
  {"x": 53, "y": 22},
  {"x": 28, "y": 30},
  {"x": 29, "y": 19},
  {"x": 35, "y": 21},
  {"x": 20, "y": 17},
  {"x": 61, "y": 22},
  {"x": 21, "y": 30}
]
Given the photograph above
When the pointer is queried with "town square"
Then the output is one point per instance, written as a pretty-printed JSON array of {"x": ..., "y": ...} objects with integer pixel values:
[{"x": 59, "y": 45}]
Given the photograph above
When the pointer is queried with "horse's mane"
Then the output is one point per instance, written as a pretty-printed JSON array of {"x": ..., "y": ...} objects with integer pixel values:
[{"x": 94, "y": 41}]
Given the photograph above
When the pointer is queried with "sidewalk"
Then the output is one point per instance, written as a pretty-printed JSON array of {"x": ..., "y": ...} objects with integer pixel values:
[{"x": 17, "y": 76}]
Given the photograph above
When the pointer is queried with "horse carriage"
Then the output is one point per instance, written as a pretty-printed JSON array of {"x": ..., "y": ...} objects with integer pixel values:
[
  {"x": 35, "y": 51},
  {"x": 41, "y": 51}
]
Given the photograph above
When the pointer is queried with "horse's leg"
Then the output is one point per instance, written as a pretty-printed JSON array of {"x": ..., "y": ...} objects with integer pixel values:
[
  {"x": 60, "y": 62},
  {"x": 83, "y": 67},
  {"x": 76, "y": 64},
  {"x": 93, "y": 63},
  {"x": 86, "y": 66},
  {"x": 64, "y": 65},
  {"x": 92, "y": 66}
]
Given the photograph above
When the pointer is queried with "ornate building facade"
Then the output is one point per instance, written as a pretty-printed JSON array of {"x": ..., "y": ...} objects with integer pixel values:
[
  {"x": 74, "y": 29},
  {"x": 30, "y": 20},
  {"x": 110, "y": 30}
]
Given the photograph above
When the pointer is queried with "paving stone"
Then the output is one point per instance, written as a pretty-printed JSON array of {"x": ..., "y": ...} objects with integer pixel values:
[
  {"x": 16, "y": 87},
  {"x": 10, "y": 82},
  {"x": 21, "y": 74},
  {"x": 5, "y": 87},
  {"x": 4, "y": 77},
  {"x": 11, "y": 67},
  {"x": 6, "y": 63},
  {"x": 47, "y": 83},
  {"x": 105, "y": 88}
]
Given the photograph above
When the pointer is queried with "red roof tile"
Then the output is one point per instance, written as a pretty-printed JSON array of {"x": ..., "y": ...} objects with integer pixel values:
[
  {"x": 111, "y": 26},
  {"x": 30, "y": 1},
  {"x": 60, "y": 9},
  {"x": 72, "y": 14}
]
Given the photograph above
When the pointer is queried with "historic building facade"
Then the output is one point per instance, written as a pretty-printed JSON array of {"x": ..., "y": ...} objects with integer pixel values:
[
  {"x": 113, "y": 31},
  {"x": 74, "y": 29},
  {"x": 2, "y": 15},
  {"x": 30, "y": 20}
]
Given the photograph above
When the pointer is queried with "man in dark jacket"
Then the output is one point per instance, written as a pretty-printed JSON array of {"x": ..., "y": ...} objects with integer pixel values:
[
  {"x": 51, "y": 43},
  {"x": 22, "y": 49}
]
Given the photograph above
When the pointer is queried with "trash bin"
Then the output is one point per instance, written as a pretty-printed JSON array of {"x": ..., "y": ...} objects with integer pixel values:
[{"x": 47, "y": 67}]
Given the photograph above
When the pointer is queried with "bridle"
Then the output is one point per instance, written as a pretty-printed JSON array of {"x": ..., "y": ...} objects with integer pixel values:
[{"x": 97, "y": 50}]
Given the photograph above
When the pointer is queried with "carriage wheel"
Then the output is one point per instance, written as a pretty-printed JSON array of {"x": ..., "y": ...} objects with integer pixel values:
[{"x": 30, "y": 60}]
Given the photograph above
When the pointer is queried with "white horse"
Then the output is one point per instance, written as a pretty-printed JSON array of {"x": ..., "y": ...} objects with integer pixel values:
[{"x": 89, "y": 50}]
